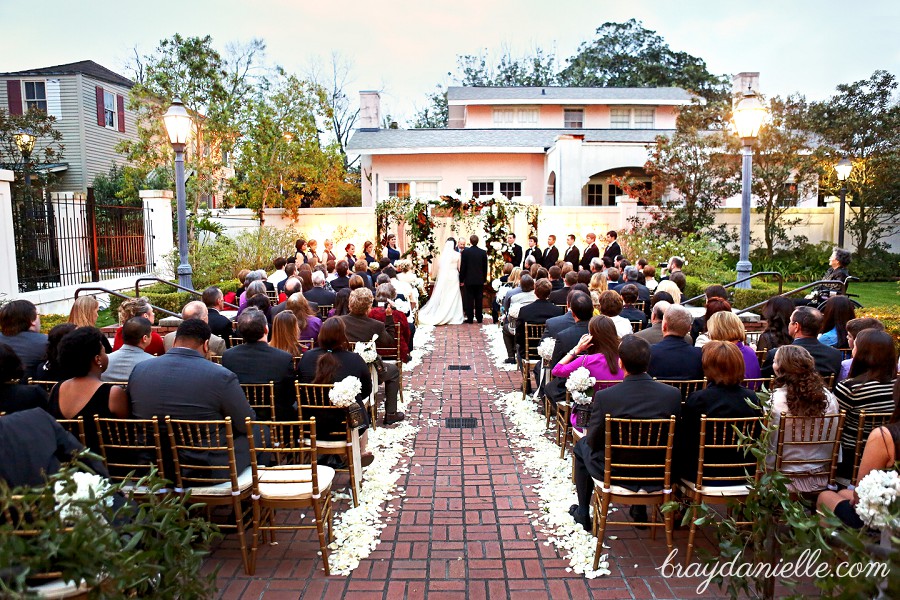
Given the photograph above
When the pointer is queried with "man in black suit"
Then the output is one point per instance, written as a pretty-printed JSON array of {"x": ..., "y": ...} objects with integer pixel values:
[
  {"x": 633, "y": 276},
  {"x": 612, "y": 246},
  {"x": 290, "y": 269},
  {"x": 554, "y": 273},
  {"x": 637, "y": 397},
  {"x": 561, "y": 295},
  {"x": 582, "y": 309},
  {"x": 804, "y": 328},
  {"x": 673, "y": 358},
  {"x": 318, "y": 293},
  {"x": 342, "y": 280},
  {"x": 255, "y": 361},
  {"x": 590, "y": 251},
  {"x": 629, "y": 295},
  {"x": 515, "y": 251},
  {"x": 572, "y": 253},
  {"x": 218, "y": 324},
  {"x": 473, "y": 265},
  {"x": 537, "y": 312},
  {"x": 557, "y": 325},
  {"x": 534, "y": 251},
  {"x": 292, "y": 285},
  {"x": 551, "y": 254}
]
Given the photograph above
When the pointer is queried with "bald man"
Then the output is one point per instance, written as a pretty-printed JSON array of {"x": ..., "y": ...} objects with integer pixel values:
[{"x": 197, "y": 310}]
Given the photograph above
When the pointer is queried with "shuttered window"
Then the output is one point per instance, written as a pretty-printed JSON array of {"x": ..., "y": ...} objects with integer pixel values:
[
  {"x": 110, "y": 110},
  {"x": 35, "y": 96}
]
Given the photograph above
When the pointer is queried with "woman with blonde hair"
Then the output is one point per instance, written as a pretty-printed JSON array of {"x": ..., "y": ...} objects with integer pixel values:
[
  {"x": 308, "y": 322},
  {"x": 139, "y": 307},
  {"x": 598, "y": 283},
  {"x": 670, "y": 288},
  {"x": 84, "y": 312},
  {"x": 285, "y": 333},
  {"x": 799, "y": 391},
  {"x": 725, "y": 326}
]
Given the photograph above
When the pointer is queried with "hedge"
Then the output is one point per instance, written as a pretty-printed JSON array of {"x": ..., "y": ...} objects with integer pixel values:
[
  {"x": 167, "y": 297},
  {"x": 741, "y": 298},
  {"x": 889, "y": 315},
  {"x": 48, "y": 322}
]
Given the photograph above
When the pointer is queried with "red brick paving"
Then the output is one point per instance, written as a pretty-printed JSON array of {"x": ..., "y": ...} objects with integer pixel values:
[{"x": 462, "y": 531}]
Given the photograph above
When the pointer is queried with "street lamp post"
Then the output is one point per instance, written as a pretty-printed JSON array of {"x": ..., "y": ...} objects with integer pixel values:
[
  {"x": 842, "y": 169},
  {"x": 178, "y": 126},
  {"x": 25, "y": 142},
  {"x": 748, "y": 117}
]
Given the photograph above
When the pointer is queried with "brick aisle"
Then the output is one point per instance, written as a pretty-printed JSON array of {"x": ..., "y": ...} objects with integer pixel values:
[{"x": 462, "y": 531}]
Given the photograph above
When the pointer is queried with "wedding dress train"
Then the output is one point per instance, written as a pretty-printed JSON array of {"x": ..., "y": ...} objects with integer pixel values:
[{"x": 444, "y": 307}]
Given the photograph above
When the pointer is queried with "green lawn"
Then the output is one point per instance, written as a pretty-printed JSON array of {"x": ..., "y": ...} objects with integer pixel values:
[
  {"x": 876, "y": 293},
  {"x": 106, "y": 318}
]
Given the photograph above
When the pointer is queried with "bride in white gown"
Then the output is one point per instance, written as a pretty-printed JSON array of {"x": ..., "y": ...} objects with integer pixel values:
[{"x": 444, "y": 307}]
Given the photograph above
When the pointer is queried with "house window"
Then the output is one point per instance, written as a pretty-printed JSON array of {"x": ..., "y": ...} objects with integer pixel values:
[
  {"x": 595, "y": 194},
  {"x": 426, "y": 189},
  {"x": 528, "y": 116},
  {"x": 511, "y": 189},
  {"x": 631, "y": 118},
  {"x": 504, "y": 116},
  {"x": 573, "y": 118},
  {"x": 398, "y": 189},
  {"x": 35, "y": 96},
  {"x": 109, "y": 109},
  {"x": 482, "y": 188},
  {"x": 612, "y": 192}
]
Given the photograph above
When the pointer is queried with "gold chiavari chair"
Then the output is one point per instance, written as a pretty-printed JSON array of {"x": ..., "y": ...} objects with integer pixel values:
[
  {"x": 846, "y": 353},
  {"x": 758, "y": 383},
  {"x": 295, "y": 360},
  {"x": 753, "y": 338},
  {"x": 761, "y": 356},
  {"x": 305, "y": 344},
  {"x": 640, "y": 305},
  {"x": 75, "y": 427},
  {"x": 829, "y": 381},
  {"x": 261, "y": 397},
  {"x": 323, "y": 310},
  {"x": 636, "y": 326},
  {"x": 685, "y": 386},
  {"x": 294, "y": 482},
  {"x": 722, "y": 465},
  {"x": 389, "y": 354},
  {"x": 564, "y": 417},
  {"x": 867, "y": 422},
  {"x": 47, "y": 385},
  {"x": 130, "y": 446},
  {"x": 236, "y": 341},
  {"x": 272, "y": 296},
  {"x": 800, "y": 438},
  {"x": 638, "y": 453},
  {"x": 192, "y": 442},
  {"x": 313, "y": 402},
  {"x": 216, "y": 358},
  {"x": 530, "y": 357}
]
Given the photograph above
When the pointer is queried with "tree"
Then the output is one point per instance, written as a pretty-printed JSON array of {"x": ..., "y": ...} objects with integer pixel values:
[
  {"x": 862, "y": 121},
  {"x": 435, "y": 114},
  {"x": 335, "y": 78},
  {"x": 628, "y": 55},
  {"x": 784, "y": 169},
  {"x": 47, "y": 149}
]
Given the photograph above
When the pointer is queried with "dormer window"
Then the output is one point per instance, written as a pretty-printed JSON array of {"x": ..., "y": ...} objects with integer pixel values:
[
  {"x": 632, "y": 118},
  {"x": 573, "y": 118},
  {"x": 504, "y": 116}
]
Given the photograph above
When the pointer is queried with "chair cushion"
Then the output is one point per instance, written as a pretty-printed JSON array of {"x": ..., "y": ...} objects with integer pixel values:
[
  {"x": 301, "y": 486},
  {"x": 245, "y": 479},
  {"x": 717, "y": 490}
]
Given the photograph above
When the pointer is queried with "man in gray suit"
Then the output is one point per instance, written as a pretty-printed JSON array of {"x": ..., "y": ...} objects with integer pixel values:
[
  {"x": 135, "y": 337},
  {"x": 654, "y": 334},
  {"x": 197, "y": 310},
  {"x": 182, "y": 384}
]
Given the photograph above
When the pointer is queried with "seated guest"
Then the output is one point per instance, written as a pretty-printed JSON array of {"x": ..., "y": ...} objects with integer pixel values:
[
  {"x": 679, "y": 279},
  {"x": 673, "y": 358},
  {"x": 286, "y": 333},
  {"x": 653, "y": 334},
  {"x": 139, "y": 307},
  {"x": 135, "y": 337},
  {"x": 869, "y": 388},
  {"x": 403, "y": 284},
  {"x": 723, "y": 397},
  {"x": 799, "y": 392},
  {"x": 537, "y": 312},
  {"x": 318, "y": 293},
  {"x": 197, "y": 310},
  {"x": 561, "y": 295},
  {"x": 292, "y": 286},
  {"x": 637, "y": 397},
  {"x": 279, "y": 274},
  {"x": 304, "y": 274},
  {"x": 33, "y": 446},
  {"x": 242, "y": 277},
  {"x": 20, "y": 329},
  {"x": 255, "y": 361},
  {"x": 777, "y": 314},
  {"x": 341, "y": 303},
  {"x": 248, "y": 280},
  {"x": 384, "y": 297},
  {"x": 356, "y": 282},
  {"x": 515, "y": 304},
  {"x": 804, "y": 327},
  {"x": 49, "y": 370},
  {"x": 307, "y": 319},
  {"x": 670, "y": 288},
  {"x": 612, "y": 276},
  {"x": 650, "y": 278},
  {"x": 598, "y": 282},
  {"x": 582, "y": 310},
  {"x": 554, "y": 274},
  {"x": 727, "y": 327},
  {"x": 83, "y": 357},
  {"x": 360, "y": 328},
  {"x": 634, "y": 276},
  {"x": 255, "y": 288},
  {"x": 182, "y": 384},
  {"x": 556, "y": 325},
  {"x": 84, "y": 313},
  {"x": 629, "y": 293},
  {"x": 341, "y": 280},
  {"x": 290, "y": 269},
  {"x": 854, "y": 327},
  {"x": 716, "y": 299},
  {"x": 13, "y": 395},
  {"x": 838, "y": 310},
  {"x": 611, "y": 305},
  {"x": 219, "y": 324},
  {"x": 597, "y": 351},
  {"x": 882, "y": 451},
  {"x": 261, "y": 303}
]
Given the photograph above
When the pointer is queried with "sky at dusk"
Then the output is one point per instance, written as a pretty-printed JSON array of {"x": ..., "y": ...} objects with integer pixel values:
[{"x": 405, "y": 47}]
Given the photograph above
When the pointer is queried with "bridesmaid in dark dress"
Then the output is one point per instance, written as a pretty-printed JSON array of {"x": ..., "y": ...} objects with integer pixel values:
[{"x": 82, "y": 355}]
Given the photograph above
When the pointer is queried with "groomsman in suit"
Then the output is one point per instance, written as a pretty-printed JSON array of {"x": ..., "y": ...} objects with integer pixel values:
[
  {"x": 473, "y": 265},
  {"x": 612, "y": 246},
  {"x": 551, "y": 255},
  {"x": 515, "y": 252},
  {"x": 534, "y": 251},
  {"x": 591, "y": 251},
  {"x": 572, "y": 253}
]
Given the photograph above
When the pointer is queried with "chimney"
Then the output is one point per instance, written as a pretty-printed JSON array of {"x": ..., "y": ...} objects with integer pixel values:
[
  {"x": 369, "y": 111},
  {"x": 744, "y": 82}
]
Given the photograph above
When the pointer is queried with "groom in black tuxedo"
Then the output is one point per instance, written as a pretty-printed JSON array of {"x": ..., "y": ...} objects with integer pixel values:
[{"x": 473, "y": 267}]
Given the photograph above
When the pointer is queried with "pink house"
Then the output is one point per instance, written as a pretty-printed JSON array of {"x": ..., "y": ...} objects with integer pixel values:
[{"x": 550, "y": 145}]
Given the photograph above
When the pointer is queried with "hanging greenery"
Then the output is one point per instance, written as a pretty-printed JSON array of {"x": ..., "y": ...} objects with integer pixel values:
[{"x": 533, "y": 215}]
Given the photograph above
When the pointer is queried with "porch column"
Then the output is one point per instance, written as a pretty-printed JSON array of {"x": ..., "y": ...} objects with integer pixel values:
[{"x": 9, "y": 276}]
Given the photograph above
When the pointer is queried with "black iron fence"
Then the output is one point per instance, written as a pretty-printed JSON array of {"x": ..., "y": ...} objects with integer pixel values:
[{"x": 73, "y": 240}]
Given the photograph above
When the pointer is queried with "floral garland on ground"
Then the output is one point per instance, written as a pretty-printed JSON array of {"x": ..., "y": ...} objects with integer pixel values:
[{"x": 555, "y": 489}]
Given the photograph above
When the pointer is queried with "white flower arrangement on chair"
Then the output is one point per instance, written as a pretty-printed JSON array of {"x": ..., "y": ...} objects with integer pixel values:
[
  {"x": 878, "y": 499},
  {"x": 578, "y": 383},
  {"x": 545, "y": 348},
  {"x": 367, "y": 350},
  {"x": 88, "y": 487},
  {"x": 345, "y": 391}
]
